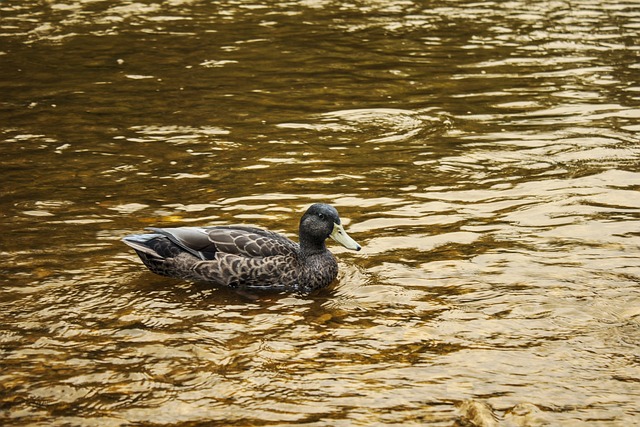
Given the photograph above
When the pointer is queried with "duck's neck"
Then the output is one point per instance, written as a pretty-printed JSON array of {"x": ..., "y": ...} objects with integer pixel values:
[{"x": 310, "y": 247}]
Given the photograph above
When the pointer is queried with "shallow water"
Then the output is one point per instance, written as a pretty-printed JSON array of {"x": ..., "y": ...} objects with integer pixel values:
[{"x": 484, "y": 154}]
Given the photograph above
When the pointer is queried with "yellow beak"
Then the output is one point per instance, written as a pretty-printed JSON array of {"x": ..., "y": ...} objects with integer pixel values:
[{"x": 339, "y": 235}]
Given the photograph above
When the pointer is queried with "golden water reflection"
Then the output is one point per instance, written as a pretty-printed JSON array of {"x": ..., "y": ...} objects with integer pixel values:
[{"x": 484, "y": 154}]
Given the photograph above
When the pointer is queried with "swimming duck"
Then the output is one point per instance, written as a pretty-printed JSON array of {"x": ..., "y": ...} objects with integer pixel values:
[{"x": 248, "y": 257}]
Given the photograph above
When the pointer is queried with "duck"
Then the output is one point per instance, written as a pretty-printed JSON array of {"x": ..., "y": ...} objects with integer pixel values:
[{"x": 246, "y": 257}]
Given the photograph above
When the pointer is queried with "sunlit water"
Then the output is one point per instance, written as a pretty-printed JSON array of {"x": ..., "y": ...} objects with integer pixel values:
[{"x": 485, "y": 154}]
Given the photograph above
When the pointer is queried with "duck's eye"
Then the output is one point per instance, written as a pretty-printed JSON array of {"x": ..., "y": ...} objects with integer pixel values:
[{"x": 321, "y": 215}]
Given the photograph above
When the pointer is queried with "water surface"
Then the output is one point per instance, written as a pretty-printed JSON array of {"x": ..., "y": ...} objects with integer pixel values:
[{"x": 484, "y": 154}]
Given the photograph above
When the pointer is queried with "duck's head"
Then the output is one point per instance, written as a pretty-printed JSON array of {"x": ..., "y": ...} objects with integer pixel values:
[{"x": 320, "y": 222}]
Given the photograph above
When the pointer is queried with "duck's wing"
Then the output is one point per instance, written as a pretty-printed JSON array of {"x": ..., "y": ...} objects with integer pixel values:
[
  {"x": 206, "y": 242},
  {"x": 250, "y": 241}
]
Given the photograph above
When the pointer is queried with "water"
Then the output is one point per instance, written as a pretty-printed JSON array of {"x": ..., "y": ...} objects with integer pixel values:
[{"x": 485, "y": 154}]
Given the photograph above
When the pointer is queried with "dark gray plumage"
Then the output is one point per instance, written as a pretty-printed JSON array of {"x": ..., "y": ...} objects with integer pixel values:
[{"x": 247, "y": 257}]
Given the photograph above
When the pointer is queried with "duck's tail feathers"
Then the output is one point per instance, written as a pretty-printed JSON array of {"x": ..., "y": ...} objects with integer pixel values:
[{"x": 141, "y": 244}]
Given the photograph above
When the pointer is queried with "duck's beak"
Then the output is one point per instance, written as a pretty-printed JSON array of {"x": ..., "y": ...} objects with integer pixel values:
[{"x": 339, "y": 235}]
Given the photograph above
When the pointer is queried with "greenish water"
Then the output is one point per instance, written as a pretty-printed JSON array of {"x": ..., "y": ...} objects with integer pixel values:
[{"x": 484, "y": 154}]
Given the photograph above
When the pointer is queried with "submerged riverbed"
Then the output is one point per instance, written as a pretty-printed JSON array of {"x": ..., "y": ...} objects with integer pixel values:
[{"x": 484, "y": 154}]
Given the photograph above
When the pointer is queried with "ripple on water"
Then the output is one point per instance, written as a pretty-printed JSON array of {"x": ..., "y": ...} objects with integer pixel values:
[{"x": 376, "y": 125}]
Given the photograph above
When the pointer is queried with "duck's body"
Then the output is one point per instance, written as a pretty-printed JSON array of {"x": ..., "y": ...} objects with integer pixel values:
[{"x": 247, "y": 257}]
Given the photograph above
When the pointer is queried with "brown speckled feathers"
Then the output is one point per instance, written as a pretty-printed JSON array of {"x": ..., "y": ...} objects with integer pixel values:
[{"x": 241, "y": 256}]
